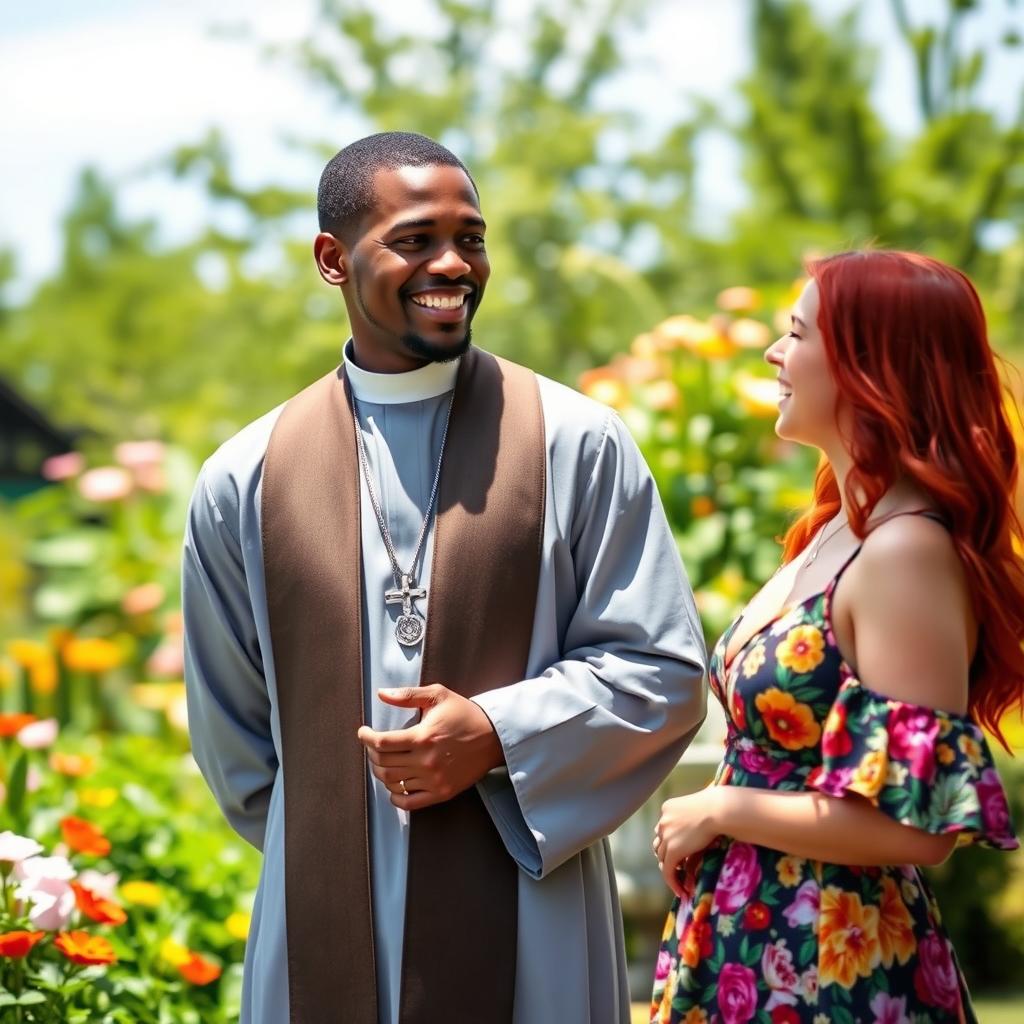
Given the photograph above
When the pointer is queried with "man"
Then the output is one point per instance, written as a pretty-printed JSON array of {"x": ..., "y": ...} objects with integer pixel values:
[{"x": 439, "y": 644}]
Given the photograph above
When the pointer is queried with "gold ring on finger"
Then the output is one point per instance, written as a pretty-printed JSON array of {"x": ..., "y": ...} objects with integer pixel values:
[{"x": 405, "y": 792}]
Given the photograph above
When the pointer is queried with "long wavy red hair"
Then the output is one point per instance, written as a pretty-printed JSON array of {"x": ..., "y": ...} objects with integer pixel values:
[{"x": 907, "y": 345}]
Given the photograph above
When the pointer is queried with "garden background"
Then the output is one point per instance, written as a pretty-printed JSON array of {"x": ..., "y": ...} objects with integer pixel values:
[{"x": 645, "y": 242}]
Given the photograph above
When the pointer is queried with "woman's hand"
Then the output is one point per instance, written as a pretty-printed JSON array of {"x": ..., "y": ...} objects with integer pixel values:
[{"x": 688, "y": 824}]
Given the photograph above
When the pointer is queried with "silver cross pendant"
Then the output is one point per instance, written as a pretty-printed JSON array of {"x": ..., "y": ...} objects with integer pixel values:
[{"x": 410, "y": 626}]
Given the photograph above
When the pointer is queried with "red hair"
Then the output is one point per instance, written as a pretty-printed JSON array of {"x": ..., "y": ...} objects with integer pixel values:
[{"x": 907, "y": 345}]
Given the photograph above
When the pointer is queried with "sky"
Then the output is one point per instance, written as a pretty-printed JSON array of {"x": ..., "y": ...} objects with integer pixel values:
[{"x": 117, "y": 84}]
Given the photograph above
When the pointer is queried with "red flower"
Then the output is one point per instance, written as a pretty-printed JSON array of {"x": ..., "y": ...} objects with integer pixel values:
[
  {"x": 18, "y": 944},
  {"x": 84, "y": 837},
  {"x": 785, "y": 1015},
  {"x": 83, "y": 948},
  {"x": 836, "y": 740},
  {"x": 12, "y": 723},
  {"x": 96, "y": 908},
  {"x": 757, "y": 916},
  {"x": 198, "y": 970}
]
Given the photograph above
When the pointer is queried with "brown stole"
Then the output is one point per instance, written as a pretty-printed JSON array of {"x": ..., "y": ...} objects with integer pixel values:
[{"x": 460, "y": 927}]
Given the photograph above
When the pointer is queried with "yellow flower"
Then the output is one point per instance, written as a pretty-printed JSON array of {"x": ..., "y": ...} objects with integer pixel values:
[
  {"x": 790, "y": 870},
  {"x": 105, "y": 797},
  {"x": 895, "y": 925},
  {"x": 174, "y": 952},
  {"x": 27, "y": 653},
  {"x": 695, "y": 1016},
  {"x": 970, "y": 748},
  {"x": 944, "y": 753},
  {"x": 661, "y": 395},
  {"x": 802, "y": 649},
  {"x": 43, "y": 675},
  {"x": 237, "y": 925},
  {"x": 944, "y": 723},
  {"x": 750, "y": 333},
  {"x": 789, "y": 723},
  {"x": 670, "y": 928},
  {"x": 145, "y": 894},
  {"x": 759, "y": 396},
  {"x": 6, "y": 675},
  {"x": 696, "y": 336},
  {"x": 870, "y": 773},
  {"x": 753, "y": 661},
  {"x": 605, "y": 386},
  {"x": 849, "y": 938},
  {"x": 910, "y": 891},
  {"x": 91, "y": 654},
  {"x": 157, "y": 696}
]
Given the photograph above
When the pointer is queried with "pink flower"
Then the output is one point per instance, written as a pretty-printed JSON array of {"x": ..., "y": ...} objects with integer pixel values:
[
  {"x": 760, "y": 763},
  {"x": 737, "y": 993},
  {"x": 889, "y": 1010},
  {"x": 61, "y": 467},
  {"x": 33, "y": 779},
  {"x": 663, "y": 966},
  {"x": 14, "y": 848},
  {"x": 805, "y": 906},
  {"x": 143, "y": 599},
  {"x": 912, "y": 734},
  {"x": 38, "y": 735},
  {"x": 44, "y": 887},
  {"x": 107, "y": 483},
  {"x": 809, "y": 984},
  {"x": 739, "y": 879},
  {"x": 132, "y": 454},
  {"x": 168, "y": 660},
  {"x": 935, "y": 979},
  {"x": 778, "y": 971},
  {"x": 994, "y": 811}
]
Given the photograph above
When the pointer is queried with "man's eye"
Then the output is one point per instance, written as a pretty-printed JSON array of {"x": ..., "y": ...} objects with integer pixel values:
[
  {"x": 409, "y": 240},
  {"x": 475, "y": 240}
]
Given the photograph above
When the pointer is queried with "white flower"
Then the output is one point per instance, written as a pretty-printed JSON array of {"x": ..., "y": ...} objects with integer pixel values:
[
  {"x": 726, "y": 925},
  {"x": 896, "y": 774},
  {"x": 34, "y": 869},
  {"x": 100, "y": 883},
  {"x": 51, "y": 901},
  {"x": 15, "y": 848},
  {"x": 37, "y": 735}
]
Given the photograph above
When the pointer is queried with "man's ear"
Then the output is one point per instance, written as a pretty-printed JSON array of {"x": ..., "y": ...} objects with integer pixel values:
[{"x": 330, "y": 255}]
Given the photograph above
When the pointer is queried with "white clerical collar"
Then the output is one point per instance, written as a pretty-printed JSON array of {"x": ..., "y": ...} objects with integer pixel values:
[{"x": 394, "y": 388}]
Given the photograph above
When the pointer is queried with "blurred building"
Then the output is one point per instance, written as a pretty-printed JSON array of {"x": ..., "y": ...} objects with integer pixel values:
[{"x": 27, "y": 439}]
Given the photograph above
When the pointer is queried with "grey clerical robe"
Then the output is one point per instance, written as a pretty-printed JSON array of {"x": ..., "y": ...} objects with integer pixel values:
[{"x": 614, "y": 688}]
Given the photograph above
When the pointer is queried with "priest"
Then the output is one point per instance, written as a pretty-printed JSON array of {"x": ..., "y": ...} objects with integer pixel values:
[{"x": 439, "y": 644}]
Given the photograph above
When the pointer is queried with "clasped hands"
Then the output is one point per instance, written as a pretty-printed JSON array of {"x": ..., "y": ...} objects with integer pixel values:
[
  {"x": 687, "y": 826},
  {"x": 449, "y": 749}
]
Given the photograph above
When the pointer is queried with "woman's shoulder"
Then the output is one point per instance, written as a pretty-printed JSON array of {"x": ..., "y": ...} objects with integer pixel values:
[{"x": 911, "y": 549}]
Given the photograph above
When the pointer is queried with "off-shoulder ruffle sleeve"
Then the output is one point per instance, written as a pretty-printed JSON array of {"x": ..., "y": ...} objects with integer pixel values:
[{"x": 922, "y": 767}]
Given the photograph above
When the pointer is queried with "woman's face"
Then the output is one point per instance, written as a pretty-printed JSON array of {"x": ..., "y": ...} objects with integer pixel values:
[{"x": 807, "y": 392}]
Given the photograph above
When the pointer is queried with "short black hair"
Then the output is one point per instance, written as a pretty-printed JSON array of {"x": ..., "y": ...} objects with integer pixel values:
[{"x": 346, "y": 184}]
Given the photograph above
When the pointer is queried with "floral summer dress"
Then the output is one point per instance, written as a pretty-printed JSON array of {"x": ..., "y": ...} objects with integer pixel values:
[{"x": 776, "y": 939}]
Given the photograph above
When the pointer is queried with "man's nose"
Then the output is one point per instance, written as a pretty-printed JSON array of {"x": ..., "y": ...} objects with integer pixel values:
[{"x": 449, "y": 262}]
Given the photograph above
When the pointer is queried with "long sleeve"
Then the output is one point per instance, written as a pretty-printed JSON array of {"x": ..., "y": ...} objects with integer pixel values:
[
  {"x": 228, "y": 704},
  {"x": 590, "y": 738}
]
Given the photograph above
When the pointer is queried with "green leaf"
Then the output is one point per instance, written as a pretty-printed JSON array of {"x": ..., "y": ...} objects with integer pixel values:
[{"x": 16, "y": 783}]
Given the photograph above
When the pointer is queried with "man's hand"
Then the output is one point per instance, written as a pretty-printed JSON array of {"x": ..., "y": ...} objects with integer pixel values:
[{"x": 451, "y": 748}]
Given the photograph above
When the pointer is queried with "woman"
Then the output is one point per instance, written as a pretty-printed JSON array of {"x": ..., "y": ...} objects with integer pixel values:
[{"x": 854, "y": 681}]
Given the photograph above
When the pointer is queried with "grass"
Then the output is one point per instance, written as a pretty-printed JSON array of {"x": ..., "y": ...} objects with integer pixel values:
[{"x": 990, "y": 1010}]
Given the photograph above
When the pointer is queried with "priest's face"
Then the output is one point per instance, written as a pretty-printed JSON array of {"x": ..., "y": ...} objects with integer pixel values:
[{"x": 415, "y": 269}]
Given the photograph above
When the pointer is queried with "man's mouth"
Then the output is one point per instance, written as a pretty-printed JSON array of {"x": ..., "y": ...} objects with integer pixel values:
[{"x": 443, "y": 305}]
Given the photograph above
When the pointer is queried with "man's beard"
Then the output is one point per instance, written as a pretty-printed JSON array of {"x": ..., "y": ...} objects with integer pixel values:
[{"x": 431, "y": 353}]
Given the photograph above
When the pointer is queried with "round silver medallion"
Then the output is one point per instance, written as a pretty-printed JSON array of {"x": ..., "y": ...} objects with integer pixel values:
[{"x": 409, "y": 630}]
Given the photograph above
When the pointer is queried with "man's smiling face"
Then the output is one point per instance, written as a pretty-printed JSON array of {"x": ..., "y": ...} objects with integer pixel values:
[{"x": 415, "y": 269}]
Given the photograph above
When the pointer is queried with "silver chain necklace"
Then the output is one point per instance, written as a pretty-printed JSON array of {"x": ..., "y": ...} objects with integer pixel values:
[
  {"x": 822, "y": 541},
  {"x": 410, "y": 627}
]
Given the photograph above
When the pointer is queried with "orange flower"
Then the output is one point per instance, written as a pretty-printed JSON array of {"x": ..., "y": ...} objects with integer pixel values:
[
  {"x": 802, "y": 649},
  {"x": 83, "y": 948},
  {"x": 849, "y": 938},
  {"x": 895, "y": 927},
  {"x": 198, "y": 970},
  {"x": 75, "y": 765},
  {"x": 96, "y": 908},
  {"x": 696, "y": 941},
  {"x": 84, "y": 837},
  {"x": 17, "y": 944},
  {"x": 789, "y": 723},
  {"x": 12, "y": 723}
]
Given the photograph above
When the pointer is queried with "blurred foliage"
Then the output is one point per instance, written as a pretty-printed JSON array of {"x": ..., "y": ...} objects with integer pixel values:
[{"x": 596, "y": 230}]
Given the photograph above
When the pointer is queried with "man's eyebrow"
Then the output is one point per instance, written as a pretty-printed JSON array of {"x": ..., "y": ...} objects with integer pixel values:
[{"x": 430, "y": 222}]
